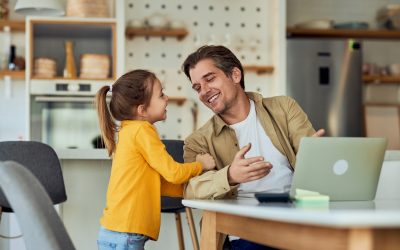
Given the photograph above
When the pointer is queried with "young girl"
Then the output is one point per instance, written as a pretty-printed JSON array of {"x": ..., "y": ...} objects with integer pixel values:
[{"x": 142, "y": 170}]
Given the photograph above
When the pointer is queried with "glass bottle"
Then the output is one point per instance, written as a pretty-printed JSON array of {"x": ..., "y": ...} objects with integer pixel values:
[
  {"x": 69, "y": 68},
  {"x": 11, "y": 58}
]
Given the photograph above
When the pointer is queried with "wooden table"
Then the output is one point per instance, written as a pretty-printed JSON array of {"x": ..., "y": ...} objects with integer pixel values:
[{"x": 337, "y": 225}]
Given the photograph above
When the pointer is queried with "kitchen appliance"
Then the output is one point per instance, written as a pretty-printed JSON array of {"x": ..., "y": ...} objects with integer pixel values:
[
  {"x": 62, "y": 113},
  {"x": 325, "y": 77}
]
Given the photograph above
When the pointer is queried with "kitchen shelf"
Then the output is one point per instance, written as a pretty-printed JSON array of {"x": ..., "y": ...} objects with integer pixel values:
[
  {"x": 375, "y": 79},
  {"x": 178, "y": 100},
  {"x": 15, "y": 25},
  {"x": 382, "y": 104},
  {"x": 19, "y": 74},
  {"x": 75, "y": 78},
  {"x": 259, "y": 69},
  {"x": 178, "y": 33},
  {"x": 343, "y": 33}
]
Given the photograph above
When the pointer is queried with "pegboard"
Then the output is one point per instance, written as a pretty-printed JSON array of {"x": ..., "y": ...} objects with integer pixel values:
[{"x": 245, "y": 27}]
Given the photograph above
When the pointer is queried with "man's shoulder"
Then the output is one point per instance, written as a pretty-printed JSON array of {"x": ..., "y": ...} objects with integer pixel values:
[
  {"x": 205, "y": 130},
  {"x": 277, "y": 100},
  {"x": 276, "y": 103},
  {"x": 269, "y": 101}
]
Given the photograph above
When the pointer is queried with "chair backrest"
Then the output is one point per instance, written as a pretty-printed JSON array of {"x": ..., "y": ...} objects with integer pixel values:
[
  {"x": 42, "y": 161},
  {"x": 173, "y": 204},
  {"x": 175, "y": 149},
  {"x": 40, "y": 224}
]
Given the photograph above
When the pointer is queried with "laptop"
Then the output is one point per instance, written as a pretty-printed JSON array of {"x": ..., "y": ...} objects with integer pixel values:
[{"x": 344, "y": 168}]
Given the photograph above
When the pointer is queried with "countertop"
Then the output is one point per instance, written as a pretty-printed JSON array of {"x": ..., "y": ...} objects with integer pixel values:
[
  {"x": 392, "y": 155},
  {"x": 82, "y": 154}
]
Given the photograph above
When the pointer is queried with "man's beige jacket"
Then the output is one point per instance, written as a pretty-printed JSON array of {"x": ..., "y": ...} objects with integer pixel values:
[{"x": 284, "y": 122}]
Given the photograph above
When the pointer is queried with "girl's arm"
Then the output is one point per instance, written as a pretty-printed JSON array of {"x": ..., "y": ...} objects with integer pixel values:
[{"x": 153, "y": 150}]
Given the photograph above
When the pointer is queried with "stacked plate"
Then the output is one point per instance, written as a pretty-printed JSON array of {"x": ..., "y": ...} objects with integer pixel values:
[{"x": 44, "y": 67}]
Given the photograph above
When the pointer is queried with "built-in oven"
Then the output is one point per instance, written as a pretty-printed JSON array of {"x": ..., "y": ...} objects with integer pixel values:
[{"x": 63, "y": 115}]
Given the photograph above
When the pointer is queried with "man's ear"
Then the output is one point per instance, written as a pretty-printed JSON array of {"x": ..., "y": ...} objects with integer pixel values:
[
  {"x": 141, "y": 110},
  {"x": 236, "y": 75}
]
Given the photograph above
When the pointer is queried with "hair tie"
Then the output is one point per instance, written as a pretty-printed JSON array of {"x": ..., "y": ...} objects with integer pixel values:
[{"x": 111, "y": 86}]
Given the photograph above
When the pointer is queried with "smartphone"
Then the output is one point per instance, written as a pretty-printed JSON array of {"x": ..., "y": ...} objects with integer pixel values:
[{"x": 272, "y": 197}]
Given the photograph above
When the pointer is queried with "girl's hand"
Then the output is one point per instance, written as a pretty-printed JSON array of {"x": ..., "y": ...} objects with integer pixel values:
[{"x": 206, "y": 160}]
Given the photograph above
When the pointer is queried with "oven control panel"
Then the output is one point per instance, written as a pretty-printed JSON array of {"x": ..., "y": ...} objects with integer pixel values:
[{"x": 65, "y": 87}]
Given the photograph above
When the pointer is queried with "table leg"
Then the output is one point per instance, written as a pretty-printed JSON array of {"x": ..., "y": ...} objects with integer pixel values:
[
  {"x": 361, "y": 238},
  {"x": 210, "y": 238}
]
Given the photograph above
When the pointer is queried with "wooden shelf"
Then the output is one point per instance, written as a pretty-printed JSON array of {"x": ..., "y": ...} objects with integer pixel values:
[
  {"x": 382, "y": 104},
  {"x": 259, "y": 69},
  {"x": 178, "y": 100},
  {"x": 15, "y": 25},
  {"x": 178, "y": 33},
  {"x": 375, "y": 79},
  {"x": 344, "y": 33},
  {"x": 59, "y": 78},
  {"x": 19, "y": 74}
]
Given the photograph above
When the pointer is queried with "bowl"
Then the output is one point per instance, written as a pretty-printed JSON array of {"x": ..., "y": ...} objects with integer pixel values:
[{"x": 157, "y": 20}]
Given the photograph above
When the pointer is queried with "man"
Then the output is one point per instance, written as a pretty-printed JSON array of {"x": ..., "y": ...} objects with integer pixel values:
[{"x": 254, "y": 140}]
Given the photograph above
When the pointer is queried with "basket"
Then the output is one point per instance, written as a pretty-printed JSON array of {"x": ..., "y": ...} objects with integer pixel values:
[
  {"x": 94, "y": 66},
  {"x": 87, "y": 8}
]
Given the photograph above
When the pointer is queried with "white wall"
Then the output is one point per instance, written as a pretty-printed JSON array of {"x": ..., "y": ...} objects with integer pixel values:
[
  {"x": 235, "y": 24},
  {"x": 13, "y": 115}
]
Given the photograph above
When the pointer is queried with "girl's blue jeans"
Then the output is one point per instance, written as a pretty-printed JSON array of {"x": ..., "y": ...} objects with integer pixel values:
[{"x": 110, "y": 240}]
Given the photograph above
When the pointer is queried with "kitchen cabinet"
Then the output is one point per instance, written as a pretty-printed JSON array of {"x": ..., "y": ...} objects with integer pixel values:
[
  {"x": 89, "y": 36},
  {"x": 55, "y": 101}
]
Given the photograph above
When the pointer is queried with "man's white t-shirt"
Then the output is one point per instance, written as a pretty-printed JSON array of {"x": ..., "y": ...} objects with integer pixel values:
[{"x": 280, "y": 177}]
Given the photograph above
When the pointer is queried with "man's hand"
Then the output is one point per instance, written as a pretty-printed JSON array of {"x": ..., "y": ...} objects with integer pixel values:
[
  {"x": 244, "y": 170},
  {"x": 319, "y": 133}
]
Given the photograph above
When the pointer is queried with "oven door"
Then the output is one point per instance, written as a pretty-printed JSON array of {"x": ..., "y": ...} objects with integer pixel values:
[{"x": 64, "y": 122}]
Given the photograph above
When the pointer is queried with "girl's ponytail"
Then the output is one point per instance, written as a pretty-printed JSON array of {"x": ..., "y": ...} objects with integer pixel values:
[{"x": 106, "y": 121}]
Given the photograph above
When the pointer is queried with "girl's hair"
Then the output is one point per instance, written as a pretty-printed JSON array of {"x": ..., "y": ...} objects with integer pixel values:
[{"x": 127, "y": 93}]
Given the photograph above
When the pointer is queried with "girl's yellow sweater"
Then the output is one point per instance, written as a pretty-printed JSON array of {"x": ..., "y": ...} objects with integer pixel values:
[{"x": 142, "y": 171}]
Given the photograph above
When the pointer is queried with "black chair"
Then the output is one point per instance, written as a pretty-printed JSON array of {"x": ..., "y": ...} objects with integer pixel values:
[
  {"x": 42, "y": 161},
  {"x": 40, "y": 224},
  {"x": 174, "y": 204}
]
